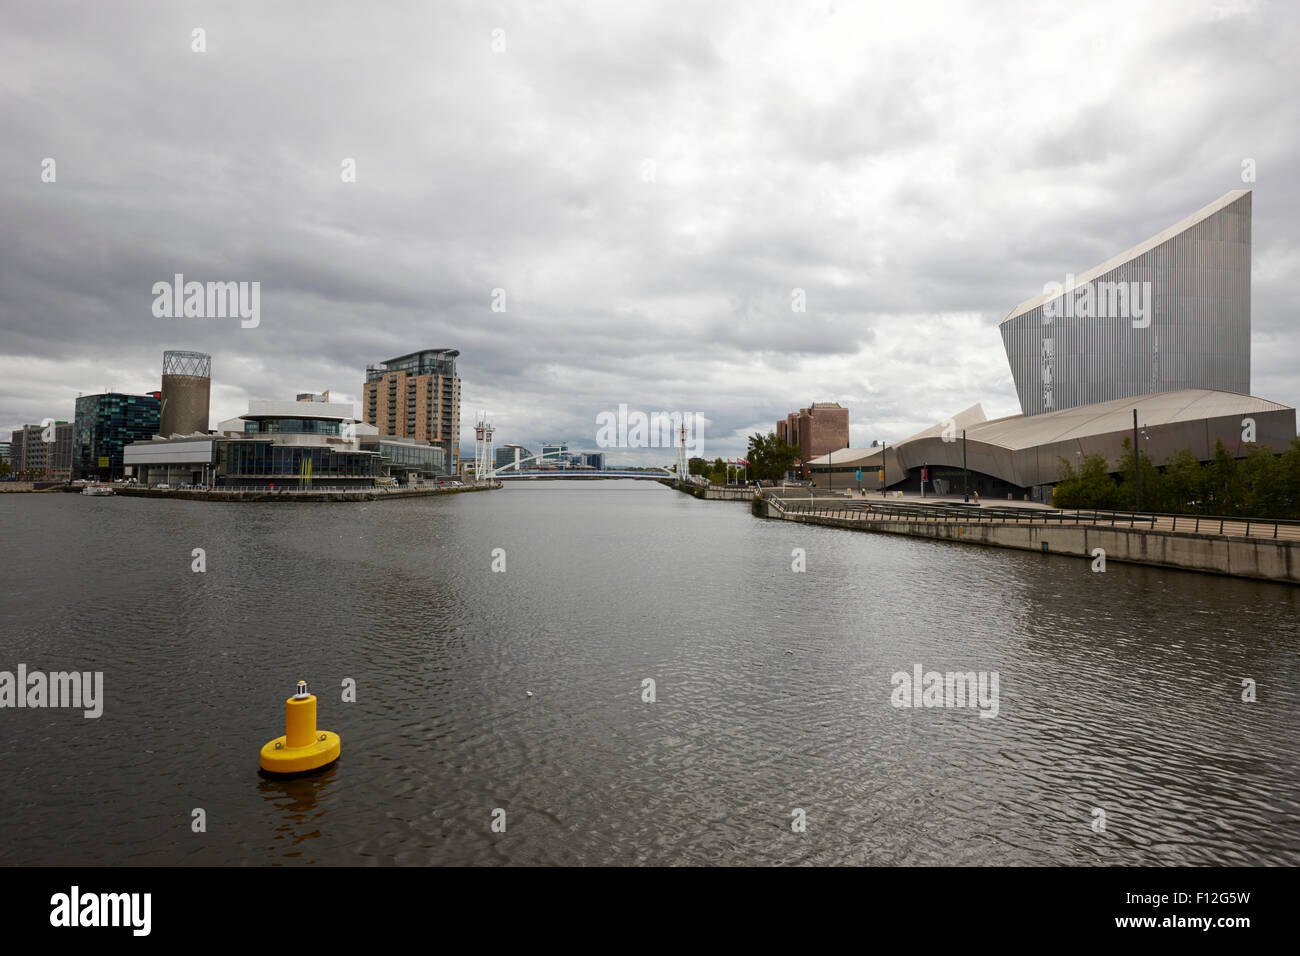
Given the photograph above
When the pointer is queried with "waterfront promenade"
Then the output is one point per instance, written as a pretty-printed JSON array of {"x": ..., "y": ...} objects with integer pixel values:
[
  {"x": 1266, "y": 549},
  {"x": 917, "y": 510}
]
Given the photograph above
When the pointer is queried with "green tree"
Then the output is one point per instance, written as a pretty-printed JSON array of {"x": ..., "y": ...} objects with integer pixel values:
[
  {"x": 718, "y": 473},
  {"x": 1067, "y": 492},
  {"x": 1153, "y": 491},
  {"x": 1288, "y": 481},
  {"x": 770, "y": 458},
  {"x": 1260, "y": 484},
  {"x": 1184, "y": 482},
  {"x": 1092, "y": 487},
  {"x": 1097, "y": 487},
  {"x": 1222, "y": 483}
]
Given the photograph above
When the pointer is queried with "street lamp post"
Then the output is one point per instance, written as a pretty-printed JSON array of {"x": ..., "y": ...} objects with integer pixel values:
[
  {"x": 884, "y": 467},
  {"x": 1137, "y": 472},
  {"x": 965, "y": 475}
]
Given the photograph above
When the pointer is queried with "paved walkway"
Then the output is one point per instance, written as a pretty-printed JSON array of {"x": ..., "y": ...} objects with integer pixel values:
[
  {"x": 914, "y": 509},
  {"x": 913, "y": 498}
]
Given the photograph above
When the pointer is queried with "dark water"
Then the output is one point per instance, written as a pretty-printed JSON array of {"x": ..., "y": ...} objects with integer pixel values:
[{"x": 1119, "y": 691}]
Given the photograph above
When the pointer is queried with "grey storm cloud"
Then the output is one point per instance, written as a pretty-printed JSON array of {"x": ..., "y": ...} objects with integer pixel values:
[{"x": 650, "y": 183}]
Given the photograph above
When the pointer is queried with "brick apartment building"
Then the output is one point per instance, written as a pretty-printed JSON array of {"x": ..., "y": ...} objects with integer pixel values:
[
  {"x": 815, "y": 431},
  {"x": 417, "y": 396}
]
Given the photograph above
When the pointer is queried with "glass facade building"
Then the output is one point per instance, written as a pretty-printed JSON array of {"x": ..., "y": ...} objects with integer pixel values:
[
  {"x": 428, "y": 362},
  {"x": 104, "y": 425},
  {"x": 404, "y": 457},
  {"x": 1171, "y": 313},
  {"x": 291, "y": 426},
  {"x": 259, "y": 463},
  {"x": 314, "y": 444}
]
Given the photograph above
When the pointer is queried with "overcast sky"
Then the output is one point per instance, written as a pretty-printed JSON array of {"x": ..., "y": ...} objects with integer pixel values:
[{"x": 648, "y": 182}]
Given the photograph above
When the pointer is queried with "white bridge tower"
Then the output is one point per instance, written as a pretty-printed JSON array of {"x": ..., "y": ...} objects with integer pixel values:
[
  {"x": 683, "y": 466},
  {"x": 483, "y": 460}
]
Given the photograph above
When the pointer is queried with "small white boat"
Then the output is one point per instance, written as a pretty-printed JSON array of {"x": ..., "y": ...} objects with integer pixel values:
[{"x": 97, "y": 490}]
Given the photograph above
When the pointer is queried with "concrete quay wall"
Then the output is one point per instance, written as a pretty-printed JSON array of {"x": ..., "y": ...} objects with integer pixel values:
[
  {"x": 285, "y": 495},
  {"x": 710, "y": 492},
  {"x": 1260, "y": 558}
]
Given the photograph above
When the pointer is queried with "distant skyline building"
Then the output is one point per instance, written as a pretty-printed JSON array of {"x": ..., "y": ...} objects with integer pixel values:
[
  {"x": 105, "y": 424},
  {"x": 505, "y": 455},
  {"x": 557, "y": 456},
  {"x": 417, "y": 396},
  {"x": 60, "y": 453},
  {"x": 554, "y": 454},
  {"x": 817, "y": 430},
  {"x": 28, "y": 451},
  {"x": 33, "y": 451},
  {"x": 17, "y": 451},
  {"x": 1171, "y": 313}
]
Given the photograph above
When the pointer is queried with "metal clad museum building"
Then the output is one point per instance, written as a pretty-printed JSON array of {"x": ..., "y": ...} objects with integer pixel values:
[
  {"x": 1162, "y": 331},
  {"x": 1171, "y": 313}
]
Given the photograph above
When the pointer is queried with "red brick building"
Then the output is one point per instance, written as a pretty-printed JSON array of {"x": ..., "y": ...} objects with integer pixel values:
[{"x": 815, "y": 431}]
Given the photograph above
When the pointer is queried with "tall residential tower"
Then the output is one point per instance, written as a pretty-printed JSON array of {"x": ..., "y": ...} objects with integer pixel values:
[{"x": 417, "y": 396}]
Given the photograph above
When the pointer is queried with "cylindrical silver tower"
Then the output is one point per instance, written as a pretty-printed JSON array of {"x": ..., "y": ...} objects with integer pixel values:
[{"x": 186, "y": 389}]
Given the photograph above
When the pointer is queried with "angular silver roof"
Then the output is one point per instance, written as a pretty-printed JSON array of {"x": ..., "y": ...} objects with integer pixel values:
[
  {"x": 1227, "y": 199},
  {"x": 1086, "y": 421},
  {"x": 1019, "y": 432}
]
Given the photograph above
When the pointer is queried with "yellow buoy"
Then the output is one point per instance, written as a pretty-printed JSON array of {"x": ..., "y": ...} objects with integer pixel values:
[{"x": 302, "y": 747}]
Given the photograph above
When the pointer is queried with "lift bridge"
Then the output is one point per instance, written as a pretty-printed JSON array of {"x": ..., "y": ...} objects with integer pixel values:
[{"x": 484, "y": 462}]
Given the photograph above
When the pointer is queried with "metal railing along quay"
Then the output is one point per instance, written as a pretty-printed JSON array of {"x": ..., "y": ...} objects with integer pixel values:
[{"x": 960, "y": 513}]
